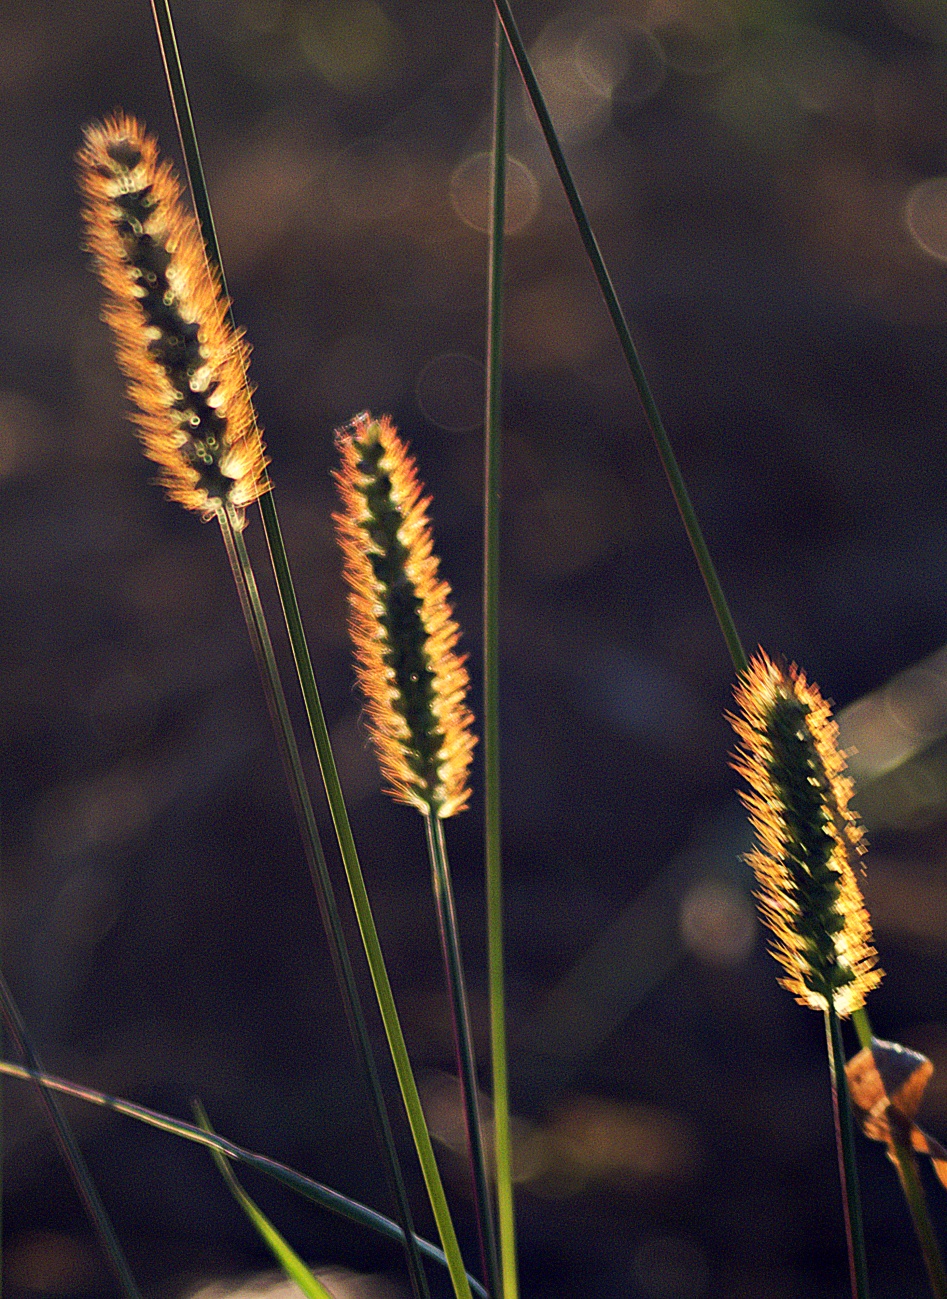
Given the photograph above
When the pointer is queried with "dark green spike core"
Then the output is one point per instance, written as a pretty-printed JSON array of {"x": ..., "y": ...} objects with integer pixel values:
[
  {"x": 405, "y": 635},
  {"x": 803, "y": 788}
]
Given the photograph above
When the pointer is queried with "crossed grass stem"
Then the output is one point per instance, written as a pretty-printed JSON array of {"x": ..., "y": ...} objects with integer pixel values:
[
  {"x": 322, "y": 1196},
  {"x": 66, "y": 1141},
  {"x": 255, "y": 619}
]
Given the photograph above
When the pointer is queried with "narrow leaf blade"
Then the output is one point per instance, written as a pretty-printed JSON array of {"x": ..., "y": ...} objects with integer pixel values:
[{"x": 281, "y": 1250}]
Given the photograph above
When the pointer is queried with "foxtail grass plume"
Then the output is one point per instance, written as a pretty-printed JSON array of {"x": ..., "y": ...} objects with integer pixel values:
[
  {"x": 808, "y": 838},
  {"x": 401, "y": 623},
  {"x": 186, "y": 367}
]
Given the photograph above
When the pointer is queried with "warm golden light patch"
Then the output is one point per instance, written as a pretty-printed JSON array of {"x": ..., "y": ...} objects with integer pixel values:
[
  {"x": 414, "y": 682},
  {"x": 808, "y": 838},
  {"x": 186, "y": 368}
]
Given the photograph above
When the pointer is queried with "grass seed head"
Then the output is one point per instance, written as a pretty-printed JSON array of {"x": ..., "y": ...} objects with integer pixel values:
[
  {"x": 186, "y": 368},
  {"x": 808, "y": 839},
  {"x": 414, "y": 682}
]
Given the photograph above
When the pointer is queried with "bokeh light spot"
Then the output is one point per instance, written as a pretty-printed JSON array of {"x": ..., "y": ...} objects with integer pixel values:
[
  {"x": 470, "y": 193},
  {"x": 576, "y": 66},
  {"x": 621, "y": 61},
  {"x": 717, "y": 922},
  {"x": 925, "y": 215},
  {"x": 697, "y": 38},
  {"x": 351, "y": 44},
  {"x": 450, "y": 392}
]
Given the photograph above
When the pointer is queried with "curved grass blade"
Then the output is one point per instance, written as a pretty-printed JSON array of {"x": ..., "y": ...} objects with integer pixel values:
[
  {"x": 662, "y": 442},
  {"x": 312, "y": 1190},
  {"x": 68, "y": 1146},
  {"x": 281, "y": 1250}
]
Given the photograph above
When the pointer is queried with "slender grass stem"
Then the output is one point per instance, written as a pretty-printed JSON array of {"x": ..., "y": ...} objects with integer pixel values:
[
  {"x": 862, "y": 1026},
  {"x": 314, "y": 1191},
  {"x": 493, "y": 442},
  {"x": 917, "y": 1204},
  {"x": 463, "y": 1042},
  {"x": 652, "y": 415},
  {"x": 911, "y": 1184},
  {"x": 68, "y": 1146},
  {"x": 845, "y": 1141},
  {"x": 255, "y": 619}
]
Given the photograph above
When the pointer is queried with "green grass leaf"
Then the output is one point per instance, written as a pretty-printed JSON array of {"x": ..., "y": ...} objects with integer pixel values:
[{"x": 281, "y": 1250}]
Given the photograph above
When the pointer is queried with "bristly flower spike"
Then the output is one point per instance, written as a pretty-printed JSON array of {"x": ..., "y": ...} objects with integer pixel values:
[
  {"x": 186, "y": 368},
  {"x": 808, "y": 839},
  {"x": 402, "y": 626}
]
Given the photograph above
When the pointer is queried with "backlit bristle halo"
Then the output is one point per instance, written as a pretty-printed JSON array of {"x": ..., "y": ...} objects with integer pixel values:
[
  {"x": 186, "y": 367},
  {"x": 414, "y": 682},
  {"x": 808, "y": 838}
]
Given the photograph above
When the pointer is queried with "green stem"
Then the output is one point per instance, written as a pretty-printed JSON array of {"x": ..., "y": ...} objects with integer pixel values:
[
  {"x": 255, "y": 618},
  {"x": 848, "y": 1171},
  {"x": 911, "y": 1183},
  {"x": 68, "y": 1146},
  {"x": 917, "y": 1204},
  {"x": 298, "y": 1182},
  {"x": 463, "y": 1042},
  {"x": 862, "y": 1026},
  {"x": 181, "y": 104},
  {"x": 502, "y": 1144},
  {"x": 661, "y": 440}
]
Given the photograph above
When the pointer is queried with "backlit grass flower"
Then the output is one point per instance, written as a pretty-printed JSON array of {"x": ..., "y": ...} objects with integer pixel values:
[
  {"x": 414, "y": 682},
  {"x": 186, "y": 368},
  {"x": 808, "y": 838}
]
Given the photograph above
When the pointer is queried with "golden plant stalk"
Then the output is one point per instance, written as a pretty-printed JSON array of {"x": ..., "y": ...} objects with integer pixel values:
[
  {"x": 185, "y": 365},
  {"x": 401, "y": 623},
  {"x": 808, "y": 838}
]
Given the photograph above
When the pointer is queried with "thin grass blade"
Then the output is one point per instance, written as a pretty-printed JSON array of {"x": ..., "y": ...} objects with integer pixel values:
[
  {"x": 662, "y": 442},
  {"x": 282, "y": 1251},
  {"x": 463, "y": 1041},
  {"x": 258, "y": 630},
  {"x": 848, "y": 1170},
  {"x": 68, "y": 1146},
  {"x": 312, "y": 1190}
]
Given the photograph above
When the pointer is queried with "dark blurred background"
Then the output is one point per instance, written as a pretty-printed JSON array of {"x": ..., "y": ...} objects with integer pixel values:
[{"x": 768, "y": 179}]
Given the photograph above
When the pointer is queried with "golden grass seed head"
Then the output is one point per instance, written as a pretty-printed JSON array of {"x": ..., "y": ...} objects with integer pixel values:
[
  {"x": 414, "y": 682},
  {"x": 808, "y": 838},
  {"x": 185, "y": 366}
]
